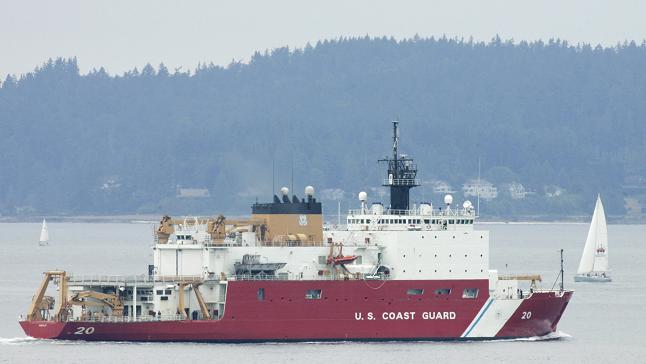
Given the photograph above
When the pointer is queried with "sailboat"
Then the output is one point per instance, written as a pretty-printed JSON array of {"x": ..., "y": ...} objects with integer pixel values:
[
  {"x": 44, "y": 234},
  {"x": 594, "y": 261}
]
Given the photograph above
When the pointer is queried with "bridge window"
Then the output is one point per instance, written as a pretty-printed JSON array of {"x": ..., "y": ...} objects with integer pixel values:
[
  {"x": 261, "y": 294},
  {"x": 313, "y": 294},
  {"x": 443, "y": 291},
  {"x": 414, "y": 291},
  {"x": 164, "y": 298},
  {"x": 470, "y": 293},
  {"x": 160, "y": 292},
  {"x": 168, "y": 291}
]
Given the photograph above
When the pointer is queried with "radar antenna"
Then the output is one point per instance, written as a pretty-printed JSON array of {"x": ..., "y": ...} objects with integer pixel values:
[{"x": 401, "y": 175}]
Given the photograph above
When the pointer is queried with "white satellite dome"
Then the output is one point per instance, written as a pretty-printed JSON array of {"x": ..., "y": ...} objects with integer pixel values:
[
  {"x": 425, "y": 208},
  {"x": 363, "y": 196},
  {"x": 309, "y": 191},
  {"x": 284, "y": 191},
  {"x": 467, "y": 205},
  {"x": 448, "y": 199}
]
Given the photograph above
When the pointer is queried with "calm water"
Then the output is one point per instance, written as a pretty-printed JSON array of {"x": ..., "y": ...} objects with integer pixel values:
[{"x": 603, "y": 323}]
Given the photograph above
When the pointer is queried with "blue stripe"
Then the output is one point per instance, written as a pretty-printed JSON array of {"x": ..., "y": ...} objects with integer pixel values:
[{"x": 479, "y": 317}]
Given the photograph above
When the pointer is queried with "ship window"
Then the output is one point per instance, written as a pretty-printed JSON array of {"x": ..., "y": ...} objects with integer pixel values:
[
  {"x": 143, "y": 298},
  {"x": 160, "y": 292},
  {"x": 443, "y": 291},
  {"x": 470, "y": 293},
  {"x": 164, "y": 298},
  {"x": 168, "y": 291},
  {"x": 426, "y": 221},
  {"x": 313, "y": 294},
  {"x": 367, "y": 221},
  {"x": 414, "y": 291},
  {"x": 361, "y": 221},
  {"x": 261, "y": 294},
  {"x": 451, "y": 221}
]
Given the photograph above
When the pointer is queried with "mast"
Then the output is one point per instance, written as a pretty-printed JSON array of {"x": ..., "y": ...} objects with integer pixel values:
[
  {"x": 401, "y": 175},
  {"x": 562, "y": 271}
]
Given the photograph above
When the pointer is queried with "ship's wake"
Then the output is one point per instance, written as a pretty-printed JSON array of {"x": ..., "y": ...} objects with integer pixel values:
[
  {"x": 558, "y": 335},
  {"x": 17, "y": 340}
]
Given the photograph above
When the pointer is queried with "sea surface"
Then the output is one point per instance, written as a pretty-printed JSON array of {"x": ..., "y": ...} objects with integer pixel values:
[{"x": 604, "y": 323}]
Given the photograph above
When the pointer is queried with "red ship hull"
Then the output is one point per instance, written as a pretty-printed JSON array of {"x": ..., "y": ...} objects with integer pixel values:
[{"x": 346, "y": 310}]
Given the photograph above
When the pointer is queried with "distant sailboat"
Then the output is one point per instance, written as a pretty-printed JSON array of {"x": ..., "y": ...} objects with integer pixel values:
[
  {"x": 44, "y": 234},
  {"x": 594, "y": 261}
]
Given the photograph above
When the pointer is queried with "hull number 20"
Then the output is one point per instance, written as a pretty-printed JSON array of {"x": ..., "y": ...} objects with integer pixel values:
[
  {"x": 82, "y": 330},
  {"x": 526, "y": 315}
]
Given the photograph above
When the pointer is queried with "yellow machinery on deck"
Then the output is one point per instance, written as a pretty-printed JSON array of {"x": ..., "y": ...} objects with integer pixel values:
[
  {"x": 93, "y": 298},
  {"x": 41, "y": 303},
  {"x": 195, "y": 284},
  {"x": 527, "y": 277}
]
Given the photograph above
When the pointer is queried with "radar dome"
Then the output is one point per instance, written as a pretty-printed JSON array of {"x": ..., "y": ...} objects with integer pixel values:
[
  {"x": 448, "y": 199},
  {"x": 363, "y": 196},
  {"x": 309, "y": 191},
  {"x": 284, "y": 191},
  {"x": 467, "y": 205}
]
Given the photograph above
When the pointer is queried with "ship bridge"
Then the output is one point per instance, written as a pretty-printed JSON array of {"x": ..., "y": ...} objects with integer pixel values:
[{"x": 424, "y": 217}]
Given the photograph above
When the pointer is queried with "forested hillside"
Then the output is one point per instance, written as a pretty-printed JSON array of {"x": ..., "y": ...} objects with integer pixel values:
[{"x": 539, "y": 114}]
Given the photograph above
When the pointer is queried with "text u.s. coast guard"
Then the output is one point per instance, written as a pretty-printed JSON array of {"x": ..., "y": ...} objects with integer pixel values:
[{"x": 407, "y": 315}]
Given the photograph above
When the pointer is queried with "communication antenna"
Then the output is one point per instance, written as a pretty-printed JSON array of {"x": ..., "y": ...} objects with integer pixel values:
[
  {"x": 478, "y": 189},
  {"x": 292, "y": 171},
  {"x": 562, "y": 270},
  {"x": 273, "y": 176}
]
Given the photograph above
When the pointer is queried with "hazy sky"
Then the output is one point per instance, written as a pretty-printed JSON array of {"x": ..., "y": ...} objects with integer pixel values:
[{"x": 121, "y": 34}]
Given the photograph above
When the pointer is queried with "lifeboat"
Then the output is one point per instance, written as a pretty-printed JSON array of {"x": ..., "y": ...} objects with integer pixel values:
[{"x": 342, "y": 259}]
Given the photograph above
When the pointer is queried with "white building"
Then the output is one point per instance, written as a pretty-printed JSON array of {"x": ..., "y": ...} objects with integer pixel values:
[
  {"x": 553, "y": 191},
  {"x": 442, "y": 187},
  {"x": 518, "y": 191},
  {"x": 486, "y": 190}
]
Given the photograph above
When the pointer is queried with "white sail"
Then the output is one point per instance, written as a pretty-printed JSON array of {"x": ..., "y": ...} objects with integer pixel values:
[
  {"x": 595, "y": 252},
  {"x": 44, "y": 233},
  {"x": 601, "y": 247}
]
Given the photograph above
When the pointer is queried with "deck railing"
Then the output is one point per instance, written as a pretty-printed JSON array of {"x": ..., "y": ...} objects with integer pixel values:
[
  {"x": 126, "y": 319},
  {"x": 130, "y": 279}
]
